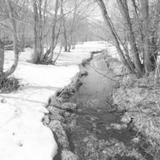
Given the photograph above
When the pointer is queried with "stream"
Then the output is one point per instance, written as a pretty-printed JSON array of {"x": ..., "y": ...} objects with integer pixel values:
[{"x": 99, "y": 133}]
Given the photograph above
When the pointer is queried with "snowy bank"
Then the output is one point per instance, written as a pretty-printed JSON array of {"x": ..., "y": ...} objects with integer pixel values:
[{"x": 22, "y": 134}]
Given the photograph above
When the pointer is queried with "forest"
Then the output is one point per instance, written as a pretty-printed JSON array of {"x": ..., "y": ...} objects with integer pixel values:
[{"x": 79, "y": 79}]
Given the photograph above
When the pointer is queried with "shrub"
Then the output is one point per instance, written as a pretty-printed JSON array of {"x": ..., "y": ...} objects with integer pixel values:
[{"x": 9, "y": 85}]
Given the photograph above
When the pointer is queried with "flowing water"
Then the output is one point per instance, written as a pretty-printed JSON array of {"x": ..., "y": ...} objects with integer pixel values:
[{"x": 95, "y": 116}]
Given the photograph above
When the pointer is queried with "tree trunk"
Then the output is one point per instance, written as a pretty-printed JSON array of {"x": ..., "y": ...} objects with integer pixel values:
[
  {"x": 53, "y": 38},
  {"x": 73, "y": 26},
  {"x": 125, "y": 12},
  {"x": 40, "y": 38},
  {"x": 59, "y": 53},
  {"x": 154, "y": 34},
  {"x": 64, "y": 29},
  {"x": 1, "y": 62},
  {"x": 140, "y": 28},
  {"x": 65, "y": 37},
  {"x": 15, "y": 40},
  {"x": 22, "y": 38},
  {"x": 115, "y": 36},
  {"x": 49, "y": 53},
  {"x": 147, "y": 54},
  {"x": 48, "y": 57},
  {"x": 36, "y": 54},
  {"x": 1, "y": 57},
  {"x": 38, "y": 46}
]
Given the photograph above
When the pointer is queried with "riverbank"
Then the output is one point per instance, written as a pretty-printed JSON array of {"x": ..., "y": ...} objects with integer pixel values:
[
  {"x": 88, "y": 122},
  {"x": 62, "y": 114},
  {"x": 22, "y": 133},
  {"x": 140, "y": 98},
  {"x": 98, "y": 133}
]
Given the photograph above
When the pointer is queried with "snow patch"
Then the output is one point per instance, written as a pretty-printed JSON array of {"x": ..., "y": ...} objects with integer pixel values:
[{"x": 22, "y": 134}]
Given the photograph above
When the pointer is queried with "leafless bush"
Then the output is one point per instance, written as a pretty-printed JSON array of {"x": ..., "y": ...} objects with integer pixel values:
[{"x": 9, "y": 85}]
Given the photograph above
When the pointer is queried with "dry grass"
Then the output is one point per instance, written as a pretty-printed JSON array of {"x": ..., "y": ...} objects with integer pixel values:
[
  {"x": 8, "y": 85},
  {"x": 141, "y": 100}
]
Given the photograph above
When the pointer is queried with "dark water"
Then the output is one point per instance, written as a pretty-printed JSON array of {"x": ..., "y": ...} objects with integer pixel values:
[{"x": 95, "y": 117}]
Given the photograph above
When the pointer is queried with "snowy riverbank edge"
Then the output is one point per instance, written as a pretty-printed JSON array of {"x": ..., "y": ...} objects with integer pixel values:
[
  {"x": 139, "y": 100},
  {"x": 59, "y": 108}
]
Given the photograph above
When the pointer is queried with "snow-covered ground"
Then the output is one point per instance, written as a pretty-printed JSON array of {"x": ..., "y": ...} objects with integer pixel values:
[
  {"x": 22, "y": 134},
  {"x": 112, "y": 51}
]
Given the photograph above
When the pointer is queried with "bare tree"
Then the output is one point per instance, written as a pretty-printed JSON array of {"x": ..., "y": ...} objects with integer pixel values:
[
  {"x": 145, "y": 16},
  {"x": 116, "y": 37},
  {"x": 73, "y": 24},
  {"x": 132, "y": 58},
  {"x": 48, "y": 56},
  {"x": 38, "y": 32},
  {"x": 64, "y": 28},
  {"x": 10, "y": 15},
  {"x": 80, "y": 10}
]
